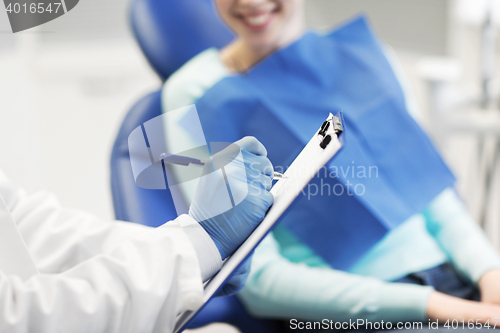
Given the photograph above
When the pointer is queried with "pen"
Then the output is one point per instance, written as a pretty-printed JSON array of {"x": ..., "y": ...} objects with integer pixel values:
[
  {"x": 184, "y": 160},
  {"x": 277, "y": 176}
]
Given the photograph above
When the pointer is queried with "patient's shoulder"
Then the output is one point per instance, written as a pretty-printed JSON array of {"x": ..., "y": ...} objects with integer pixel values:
[{"x": 193, "y": 79}]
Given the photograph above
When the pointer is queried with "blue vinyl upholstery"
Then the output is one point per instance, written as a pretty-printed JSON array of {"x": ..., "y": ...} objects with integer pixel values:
[
  {"x": 132, "y": 203},
  {"x": 170, "y": 32}
]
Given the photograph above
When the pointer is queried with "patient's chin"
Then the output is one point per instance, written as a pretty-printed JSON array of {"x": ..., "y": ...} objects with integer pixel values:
[{"x": 265, "y": 42}]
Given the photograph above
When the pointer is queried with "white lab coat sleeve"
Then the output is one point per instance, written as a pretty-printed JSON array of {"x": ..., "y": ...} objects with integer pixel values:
[
  {"x": 60, "y": 238},
  {"x": 138, "y": 287},
  {"x": 208, "y": 255}
]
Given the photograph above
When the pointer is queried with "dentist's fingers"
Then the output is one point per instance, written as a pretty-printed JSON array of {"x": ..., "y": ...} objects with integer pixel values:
[{"x": 252, "y": 145}]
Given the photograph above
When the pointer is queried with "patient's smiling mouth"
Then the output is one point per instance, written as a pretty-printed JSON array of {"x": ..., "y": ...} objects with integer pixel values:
[
  {"x": 261, "y": 27},
  {"x": 258, "y": 19}
]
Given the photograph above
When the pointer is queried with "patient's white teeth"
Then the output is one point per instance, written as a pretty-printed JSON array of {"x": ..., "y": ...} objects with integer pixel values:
[{"x": 257, "y": 20}]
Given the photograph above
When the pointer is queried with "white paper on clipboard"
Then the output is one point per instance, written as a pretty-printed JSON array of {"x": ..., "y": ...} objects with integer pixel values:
[
  {"x": 305, "y": 166},
  {"x": 15, "y": 258}
]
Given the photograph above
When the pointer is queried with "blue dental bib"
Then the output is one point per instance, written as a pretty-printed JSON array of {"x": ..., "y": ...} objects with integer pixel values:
[{"x": 388, "y": 169}]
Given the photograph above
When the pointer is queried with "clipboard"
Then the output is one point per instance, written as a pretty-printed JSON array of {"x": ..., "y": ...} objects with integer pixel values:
[{"x": 325, "y": 143}]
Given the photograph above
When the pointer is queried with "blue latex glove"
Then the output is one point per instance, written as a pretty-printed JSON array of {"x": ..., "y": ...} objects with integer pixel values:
[
  {"x": 237, "y": 280},
  {"x": 244, "y": 169}
]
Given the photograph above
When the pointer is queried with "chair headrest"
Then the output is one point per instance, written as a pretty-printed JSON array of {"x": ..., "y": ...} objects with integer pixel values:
[{"x": 170, "y": 32}]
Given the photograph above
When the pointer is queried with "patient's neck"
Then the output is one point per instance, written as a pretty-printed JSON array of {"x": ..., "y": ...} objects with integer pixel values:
[{"x": 239, "y": 57}]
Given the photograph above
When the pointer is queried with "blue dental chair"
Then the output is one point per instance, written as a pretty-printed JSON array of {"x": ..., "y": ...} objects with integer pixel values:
[{"x": 170, "y": 32}]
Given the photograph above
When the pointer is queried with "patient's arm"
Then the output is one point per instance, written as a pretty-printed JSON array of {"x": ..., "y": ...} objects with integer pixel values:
[
  {"x": 460, "y": 236},
  {"x": 69, "y": 236},
  {"x": 490, "y": 287},
  {"x": 278, "y": 288},
  {"x": 443, "y": 307}
]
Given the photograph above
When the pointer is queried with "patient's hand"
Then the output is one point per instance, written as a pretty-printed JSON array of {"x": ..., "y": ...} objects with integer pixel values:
[
  {"x": 443, "y": 307},
  {"x": 489, "y": 285}
]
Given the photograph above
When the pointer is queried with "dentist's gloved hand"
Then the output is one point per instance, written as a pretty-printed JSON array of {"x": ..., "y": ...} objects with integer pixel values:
[
  {"x": 243, "y": 168},
  {"x": 237, "y": 280}
]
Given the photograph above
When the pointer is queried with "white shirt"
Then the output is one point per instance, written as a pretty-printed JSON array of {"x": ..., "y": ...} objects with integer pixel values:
[{"x": 101, "y": 276}]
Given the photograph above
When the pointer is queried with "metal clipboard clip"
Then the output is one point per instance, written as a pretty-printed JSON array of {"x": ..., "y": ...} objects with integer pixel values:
[{"x": 332, "y": 124}]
